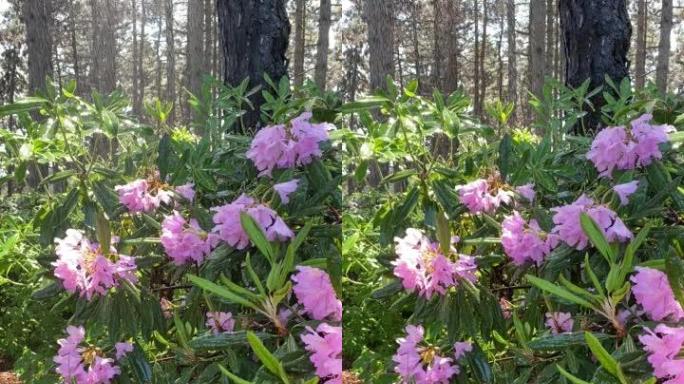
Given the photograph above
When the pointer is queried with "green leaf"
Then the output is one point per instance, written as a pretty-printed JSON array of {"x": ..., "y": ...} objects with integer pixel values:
[
  {"x": 505, "y": 151},
  {"x": 267, "y": 358},
  {"x": 104, "y": 232},
  {"x": 604, "y": 358},
  {"x": 558, "y": 291},
  {"x": 256, "y": 235},
  {"x": 59, "y": 176},
  {"x": 233, "y": 377},
  {"x": 567, "y": 375},
  {"x": 592, "y": 275},
  {"x": 163, "y": 160},
  {"x": 592, "y": 230},
  {"x": 225, "y": 340},
  {"x": 399, "y": 176},
  {"x": 443, "y": 233},
  {"x": 562, "y": 341},
  {"x": 674, "y": 268},
  {"x": 26, "y": 104},
  {"x": 364, "y": 104},
  {"x": 220, "y": 291}
]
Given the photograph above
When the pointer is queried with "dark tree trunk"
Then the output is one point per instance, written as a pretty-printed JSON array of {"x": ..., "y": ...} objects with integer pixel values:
[
  {"x": 321, "y": 72},
  {"x": 254, "y": 37},
  {"x": 380, "y": 19},
  {"x": 195, "y": 50},
  {"x": 663, "y": 64},
  {"x": 299, "y": 42},
  {"x": 39, "y": 43},
  {"x": 512, "y": 63},
  {"x": 596, "y": 37},
  {"x": 170, "y": 59},
  {"x": 640, "y": 54}
]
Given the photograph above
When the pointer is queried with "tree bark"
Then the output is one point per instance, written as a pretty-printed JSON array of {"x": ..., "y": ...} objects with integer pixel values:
[
  {"x": 104, "y": 45},
  {"x": 380, "y": 20},
  {"x": 157, "y": 49},
  {"x": 416, "y": 46},
  {"x": 640, "y": 54},
  {"x": 537, "y": 30},
  {"x": 550, "y": 38},
  {"x": 483, "y": 56},
  {"x": 142, "y": 78},
  {"x": 254, "y": 41},
  {"x": 512, "y": 62},
  {"x": 300, "y": 41},
  {"x": 209, "y": 34},
  {"x": 663, "y": 64},
  {"x": 38, "y": 22},
  {"x": 170, "y": 59},
  {"x": 195, "y": 49},
  {"x": 324, "y": 19},
  {"x": 476, "y": 64},
  {"x": 135, "y": 77},
  {"x": 596, "y": 36},
  {"x": 74, "y": 48}
]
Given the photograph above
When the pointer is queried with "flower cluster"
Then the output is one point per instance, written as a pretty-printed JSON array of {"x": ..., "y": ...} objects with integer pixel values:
[
  {"x": 184, "y": 240},
  {"x": 423, "y": 364},
  {"x": 286, "y": 146},
  {"x": 220, "y": 322},
  {"x": 569, "y": 228},
  {"x": 663, "y": 346},
  {"x": 559, "y": 322},
  {"x": 229, "y": 229},
  {"x": 421, "y": 265},
  {"x": 82, "y": 267},
  {"x": 325, "y": 345},
  {"x": 72, "y": 359},
  {"x": 653, "y": 292},
  {"x": 314, "y": 291},
  {"x": 481, "y": 197},
  {"x": 525, "y": 241},
  {"x": 142, "y": 196},
  {"x": 622, "y": 149}
]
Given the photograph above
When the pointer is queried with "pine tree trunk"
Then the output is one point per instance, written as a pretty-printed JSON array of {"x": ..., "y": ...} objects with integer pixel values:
[
  {"x": 135, "y": 77},
  {"x": 104, "y": 49},
  {"x": 74, "y": 48},
  {"x": 299, "y": 42},
  {"x": 170, "y": 59},
  {"x": 640, "y": 54},
  {"x": 537, "y": 31},
  {"x": 324, "y": 19},
  {"x": 596, "y": 38},
  {"x": 663, "y": 64},
  {"x": 438, "y": 35},
  {"x": 476, "y": 64},
  {"x": 416, "y": 46},
  {"x": 209, "y": 35},
  {"x": 380, "y": 19},
  {"x": 254, "y": 42},
  {"x": 499, "y": 57},
  {"x": 157, "y": 49},
  {"x": 512, "y": 62},
  {"x": 483, "y": 56},
  {"x": 142, "y": 78},
  {"x": 195, "y": 49},
  {"x": 36, "y": 18},
  {"x": 550, "y": 43}
]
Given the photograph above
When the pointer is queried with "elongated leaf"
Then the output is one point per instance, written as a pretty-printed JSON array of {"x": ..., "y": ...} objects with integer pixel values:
[
  {"x": 674, "y": 268},
  {"x": 220, "y": 291},
  {"x": 398, "y": 176},
  {"x": 25, "y": 105},
  {"x": 505, "y": 151},
  {"x": 562, "y": 341},
  {"x": 270, "y": 362},
  {"x": 364, "y": 104},
  {"x": 592, "y": 230},
  {"x": 233, "y": 377},
  {"x": 104, "y": 232},
  {"x": 567, "y": 375},
  {"x": 558, "y": 291},
  {"x": 256, "y": 235},
  {"x": 604, "y": 358}
]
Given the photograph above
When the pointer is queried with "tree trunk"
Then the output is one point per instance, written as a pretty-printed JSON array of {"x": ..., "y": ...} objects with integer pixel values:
[
  {"x": 135, "y": 77},
  {"x": 663, "y": 65},
  {"x": 476, "y": 64},
  {"x": 416, "y": 40},
  {"x": 321, "y": 72},
  {"x": 142, "y": 78},
  {"x": 550, "y": 42},
  {"x": 596, "y": 36},
  {"x": 170, "y": 59},
  {"x": 537, "y": 30},
  {"x": 209, "y": 35},
  {"x": 38, "y": 22},
  {"x": 380, "y": 19},
  {"x": 74, "y": 48},
  {"x": 438, "y": 35},
  {"x": 640, "y": 55},
  {"x": 254, "y": 42},
  {"x": 453, "y": 48},
  {"x": 104, "y": 45},
  {"x": 512, "y": 62},
  {"x": 157, "y": 49},
  {"x": 195, "y": 49},
  {"x": 300, "y": 41},
  {"x": 483, "y": 56},
  {"x": 499, "y": 59}
]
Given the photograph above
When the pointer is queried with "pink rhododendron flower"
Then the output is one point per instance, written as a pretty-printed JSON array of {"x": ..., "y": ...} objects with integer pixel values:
[
  {"x": 142, "y": 196},
  {"x": 315, "y": 292},
  {"x": 525, "y": 241},
  {"x": 526, "y": 191},
  {"x": 285, "y": 189},
  {"x": 421, "y": 265},
  {"x": 122, "y": 349},
  {"x": 420, "y": 364},
  {"x": 461, "y": 348},
  {"x": 569, "y": 229},
  {"x": 187, "y": 191},
  {"x": 559, "y": 322},
  {"x": 184, "y": 241},
  {"x": 285, "y": 146},
  {"x": 83, "y": 268},
  {"x": 220, "y": 322},
  {"x": 229, "y": 229},
  {"x": 479, "y": 197},
  {"x": 621, "y": 148},
  {"x": 72, "y": 359},
  {"x": 325, "y": 345},
  {"x": 624, "y": 191},
  {"x": 653, "y": 292},
  {"x": 663, "y": 347}
]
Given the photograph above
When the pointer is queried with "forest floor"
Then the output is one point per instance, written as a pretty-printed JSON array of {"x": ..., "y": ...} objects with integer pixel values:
[{"x": 9, "y": 378}]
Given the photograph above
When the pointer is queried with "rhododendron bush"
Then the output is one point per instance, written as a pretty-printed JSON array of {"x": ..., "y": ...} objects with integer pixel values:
[
  {"x": 481, "y": 252},
  {"x": 172, "y": 257}
]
